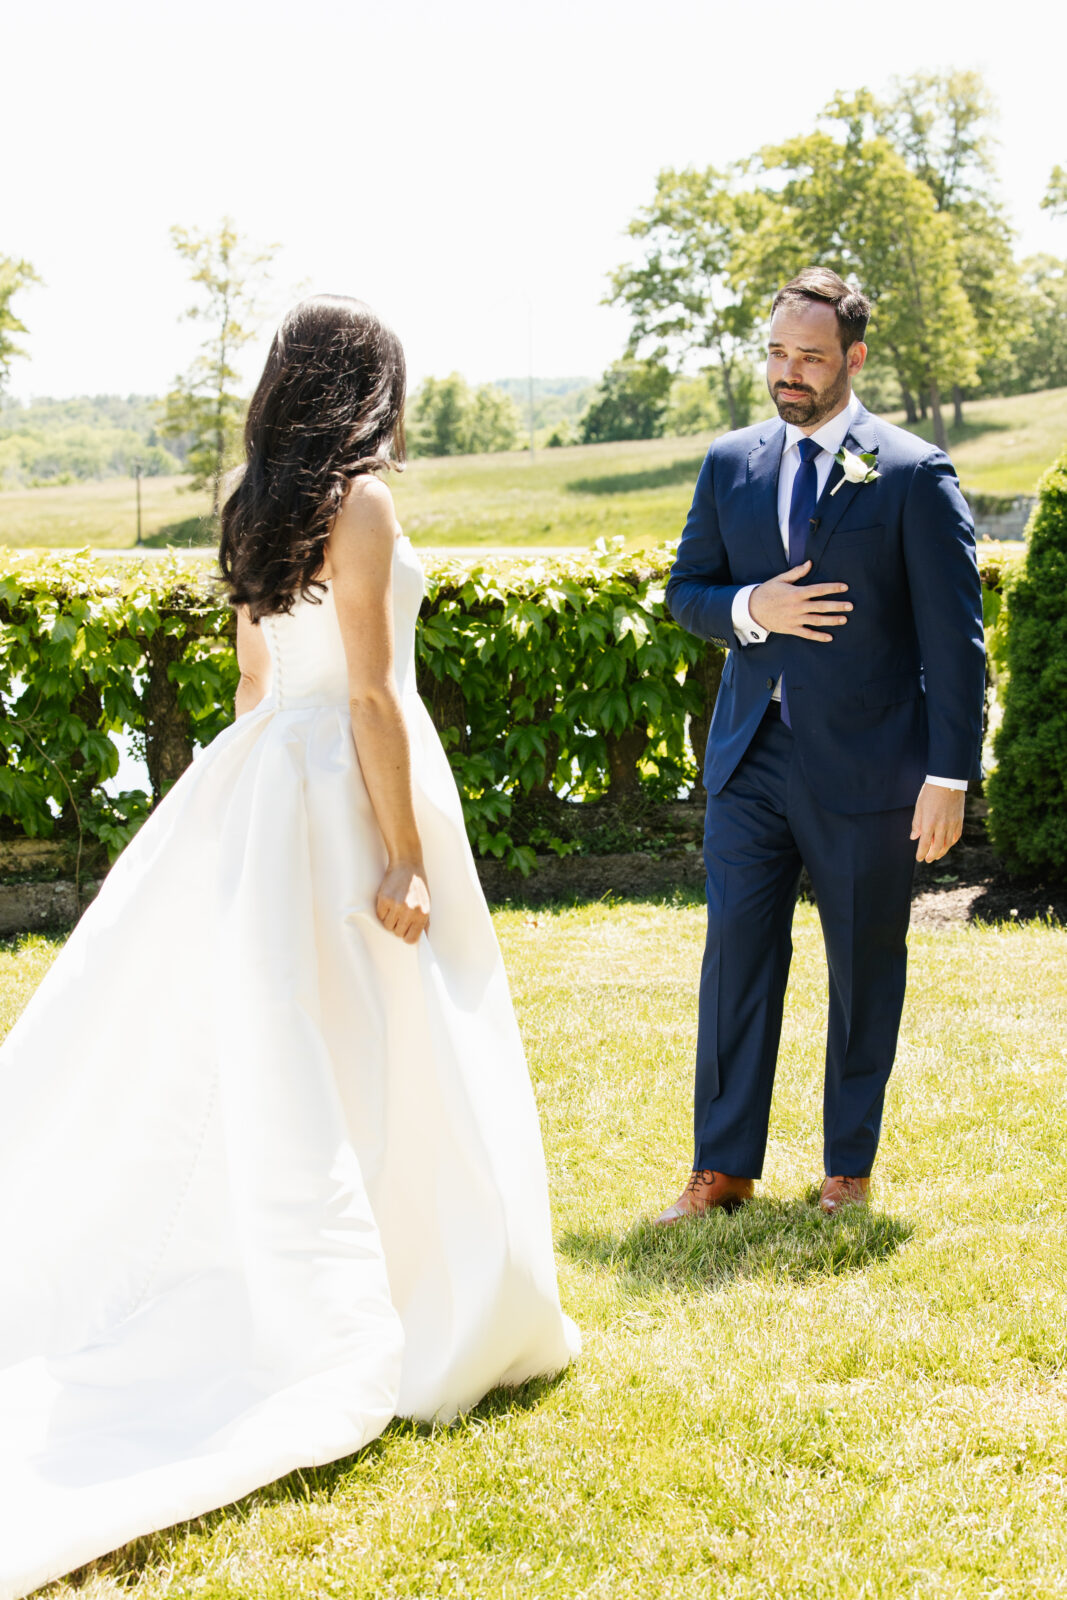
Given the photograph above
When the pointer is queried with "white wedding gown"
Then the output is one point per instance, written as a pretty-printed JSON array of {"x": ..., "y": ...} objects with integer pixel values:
[{"x": 268, "y": 1175}]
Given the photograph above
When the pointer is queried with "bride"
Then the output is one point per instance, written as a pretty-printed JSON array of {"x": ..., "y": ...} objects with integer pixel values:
[{"x": 270, "y": 1166}]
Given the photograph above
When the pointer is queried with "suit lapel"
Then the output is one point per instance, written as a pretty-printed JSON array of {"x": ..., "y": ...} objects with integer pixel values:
[
  {"x": 831, "y": 507},
  {"x": 764, "y": 463}
]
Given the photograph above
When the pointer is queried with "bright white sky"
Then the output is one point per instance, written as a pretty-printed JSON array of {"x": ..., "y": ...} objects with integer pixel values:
[{"x": 467, "y": 167}]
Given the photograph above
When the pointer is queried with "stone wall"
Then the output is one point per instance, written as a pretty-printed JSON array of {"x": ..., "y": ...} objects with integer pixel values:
[{"x": 997, "y": 517}]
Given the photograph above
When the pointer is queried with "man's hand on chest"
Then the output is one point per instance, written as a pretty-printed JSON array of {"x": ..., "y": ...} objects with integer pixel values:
[{"x": 785, "y": 605}]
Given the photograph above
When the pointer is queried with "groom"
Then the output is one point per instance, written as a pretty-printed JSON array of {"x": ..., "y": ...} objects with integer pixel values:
[{"x": 833, "y": 555}]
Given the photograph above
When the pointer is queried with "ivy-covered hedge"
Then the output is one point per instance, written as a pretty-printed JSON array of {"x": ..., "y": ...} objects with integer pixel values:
[{"x": 561, "y": 677}]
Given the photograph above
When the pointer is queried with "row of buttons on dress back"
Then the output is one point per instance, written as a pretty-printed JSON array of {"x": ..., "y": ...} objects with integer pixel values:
[{"x": 275, "y": 660}]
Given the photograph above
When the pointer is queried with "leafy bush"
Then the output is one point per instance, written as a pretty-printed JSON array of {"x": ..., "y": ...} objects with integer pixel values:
[
  {"x": 548, "y": 679},
  {"x": 84, "y": 655},
  {"x": 563, "y": 676},
  {"x": 1028, "y": 788}
]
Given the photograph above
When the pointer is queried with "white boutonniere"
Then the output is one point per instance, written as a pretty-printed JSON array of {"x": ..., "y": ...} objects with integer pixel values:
[{"x": 857, "y": 469}]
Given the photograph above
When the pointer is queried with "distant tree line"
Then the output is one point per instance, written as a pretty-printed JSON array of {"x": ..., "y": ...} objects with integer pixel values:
[{"x": 92, "y": 436}]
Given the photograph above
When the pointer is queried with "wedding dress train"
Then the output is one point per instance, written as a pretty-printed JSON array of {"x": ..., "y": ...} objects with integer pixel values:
[{"x": 268, "y": 1175}]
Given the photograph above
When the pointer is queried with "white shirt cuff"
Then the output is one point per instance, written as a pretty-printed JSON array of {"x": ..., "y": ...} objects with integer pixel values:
[
  {"x": 746, "y": 627},
  {"x": 947, "y": 783}
]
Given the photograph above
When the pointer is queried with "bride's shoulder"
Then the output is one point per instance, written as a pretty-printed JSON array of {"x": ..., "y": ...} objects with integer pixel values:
[
  {"x": 366, "y": 520},
  {"x": 367, "y": 495}
]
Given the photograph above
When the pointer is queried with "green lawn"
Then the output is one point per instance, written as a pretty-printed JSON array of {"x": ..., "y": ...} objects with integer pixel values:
[
  {"x": 640, "y": 491},
  {"x": 565, "y": 496},
  {"x": 102, "y": 514},
  {"x": 767, "y": 1406},
  {"x": 1005, "y": 445}
]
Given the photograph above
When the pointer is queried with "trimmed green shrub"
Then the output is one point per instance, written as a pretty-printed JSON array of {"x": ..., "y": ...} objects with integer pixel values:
[
  {"x": 560, "y": 677},
  {"x": 549, "y": 679},
  {"x": 1028, "y": 788},
  {"x": 85, "y": 654}
]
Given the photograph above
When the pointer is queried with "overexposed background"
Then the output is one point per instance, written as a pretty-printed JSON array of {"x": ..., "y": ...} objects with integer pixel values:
[{"x": 469, "y": 168}]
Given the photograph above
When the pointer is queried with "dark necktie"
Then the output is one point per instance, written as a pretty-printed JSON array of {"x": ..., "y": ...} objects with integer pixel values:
[{"x": 801, "y": 511}]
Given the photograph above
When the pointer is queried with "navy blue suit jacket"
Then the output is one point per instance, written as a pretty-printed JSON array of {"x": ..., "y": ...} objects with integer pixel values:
[{"x": 899, "y": 691}]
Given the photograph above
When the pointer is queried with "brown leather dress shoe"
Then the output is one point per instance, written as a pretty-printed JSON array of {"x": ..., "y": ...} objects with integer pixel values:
[
  {"x": 708, "y": 1191},
  {"x": 838, "y": 1192}
]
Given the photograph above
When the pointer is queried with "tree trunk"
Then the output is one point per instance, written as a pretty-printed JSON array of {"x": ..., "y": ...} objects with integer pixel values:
[
  {"x": 542, "y": 713},
  {"x": 448, "y": 709},
  {"x": 168, "y": 747},
  {"x": 220, "y": 406},
  {"x": 707, "y": 672},
  {"x": 731, "y": 403},
  {"x": 924, "y": 403},
  {"x": 911, "y": 410},
  {"x": 940, "y": 437},
  {"x": 957, "y": 406},
  {"x": 624, "y": 752}
]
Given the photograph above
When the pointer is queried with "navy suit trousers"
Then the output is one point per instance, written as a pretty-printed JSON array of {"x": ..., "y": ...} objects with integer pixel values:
[{"x": 761, "y": 828}]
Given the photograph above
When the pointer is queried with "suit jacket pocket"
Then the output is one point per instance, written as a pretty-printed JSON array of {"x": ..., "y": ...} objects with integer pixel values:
[
  {"x": 858, "y": 537},
  {"x": 891, "y": 691}
]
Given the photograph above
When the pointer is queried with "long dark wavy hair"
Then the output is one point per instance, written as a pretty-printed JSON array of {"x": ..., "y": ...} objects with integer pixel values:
[{"x": 329, "y": 406}]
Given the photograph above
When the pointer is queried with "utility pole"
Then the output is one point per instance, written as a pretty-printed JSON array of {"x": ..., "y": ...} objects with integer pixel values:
[
  {"x": 137, "y": 480},
  {"x": 530, "y": 394}
]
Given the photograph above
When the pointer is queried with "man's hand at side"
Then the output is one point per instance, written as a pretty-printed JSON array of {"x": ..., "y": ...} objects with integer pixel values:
[
  {"x": 781, "y": 607},
  {"x": 938, "y": 821}
]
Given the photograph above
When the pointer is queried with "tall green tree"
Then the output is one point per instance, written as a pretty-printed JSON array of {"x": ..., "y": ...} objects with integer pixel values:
[
  {"x": 1037, "y": 356},
  {"x": 941, "y": 123},
  {"x": 446, "y": 417},
  {"x": 494, "y": 421},
  {"x": 850, "y": 201},
  {"x": 631, "y": 403},
  {"x": 205, "y": 408},
  {"x": 698, "y": 290},
  {"x": 1055, "y": 197},
  {"x": 15, "y": 274}
]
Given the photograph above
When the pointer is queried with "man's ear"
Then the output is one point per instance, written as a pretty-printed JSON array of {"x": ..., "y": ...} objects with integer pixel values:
[{"x": 856, "y": 356}]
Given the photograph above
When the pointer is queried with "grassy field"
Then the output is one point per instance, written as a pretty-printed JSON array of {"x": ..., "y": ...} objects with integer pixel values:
[
  {"x": 574, "y": 496},
  {"x": 770, "y": 1405},
  {"x": 102, "y": 514},
  {"x": 640, "y": 491},
  {"x": 1005, "y": 445}
]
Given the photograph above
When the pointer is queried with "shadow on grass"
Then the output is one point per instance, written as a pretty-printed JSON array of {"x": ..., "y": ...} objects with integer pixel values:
[
  {"x": 672, "y": 896},
  {"x": 190, "y": 531},
  {"x": 135, "y": 1559},
  {"x": 771, "y": 1239},
  {"x": 970, "y": 428},
  {"x": 653, "y": 478}
]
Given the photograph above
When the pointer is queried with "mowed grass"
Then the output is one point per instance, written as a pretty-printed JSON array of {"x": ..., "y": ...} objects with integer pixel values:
[
  {"x": 640, "y": 490},
  {"x": 769, "y": 1405},
  {"x": 101, "y": 514},
  {"x": 1005, "y": 445}
]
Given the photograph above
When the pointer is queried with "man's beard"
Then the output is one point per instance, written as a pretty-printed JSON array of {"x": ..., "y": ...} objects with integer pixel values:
[{"x": 814, "y": 406}]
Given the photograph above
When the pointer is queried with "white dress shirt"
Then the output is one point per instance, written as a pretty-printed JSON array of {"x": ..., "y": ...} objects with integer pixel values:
[{"x": 831, "y": 436}]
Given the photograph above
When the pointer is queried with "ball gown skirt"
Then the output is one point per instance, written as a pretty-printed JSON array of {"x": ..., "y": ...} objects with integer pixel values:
[{"x": 268, "y": 1175}]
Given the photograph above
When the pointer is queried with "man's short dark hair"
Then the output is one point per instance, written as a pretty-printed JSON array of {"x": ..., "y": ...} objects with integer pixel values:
[{"x": 853, "y": 309}]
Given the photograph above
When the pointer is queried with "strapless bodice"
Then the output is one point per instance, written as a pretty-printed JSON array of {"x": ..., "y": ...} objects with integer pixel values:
[{"x": 307, "y": 652}]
